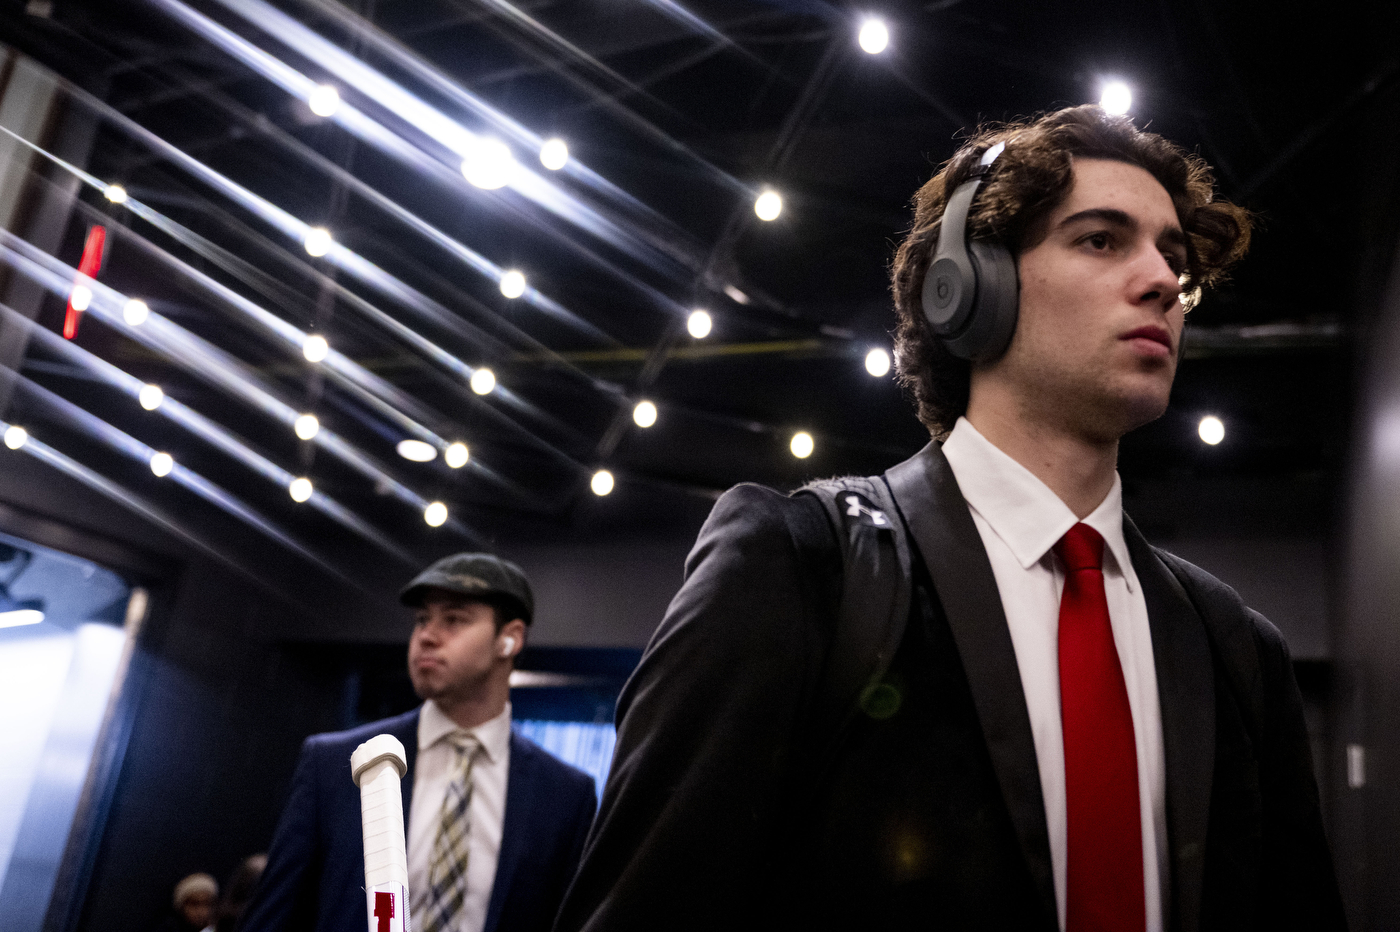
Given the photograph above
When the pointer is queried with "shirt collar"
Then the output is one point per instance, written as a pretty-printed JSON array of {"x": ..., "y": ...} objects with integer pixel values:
[
  {"x": 494, "y": 735},
  {"x": 1020, "y": 509}
]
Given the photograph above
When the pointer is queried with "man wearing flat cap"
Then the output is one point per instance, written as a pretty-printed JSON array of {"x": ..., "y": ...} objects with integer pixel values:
[{"x": 495, "y": 825}]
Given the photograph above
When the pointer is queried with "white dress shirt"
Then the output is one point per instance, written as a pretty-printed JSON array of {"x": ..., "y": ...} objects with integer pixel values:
[
  {"x": 432, "y": 772},
  {"x": 1020, "y": 521}
]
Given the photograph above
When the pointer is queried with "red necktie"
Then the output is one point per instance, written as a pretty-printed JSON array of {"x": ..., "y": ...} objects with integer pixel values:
[{"x": 1105, "y": 890}]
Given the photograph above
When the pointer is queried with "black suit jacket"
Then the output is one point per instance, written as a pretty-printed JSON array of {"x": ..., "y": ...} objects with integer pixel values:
[
  {"x": 726, "y": 808},
  {"x": 315, "y": 876}
]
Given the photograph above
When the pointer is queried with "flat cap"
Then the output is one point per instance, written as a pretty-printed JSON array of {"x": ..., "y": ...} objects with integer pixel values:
[{"x": 482, "y": 576}]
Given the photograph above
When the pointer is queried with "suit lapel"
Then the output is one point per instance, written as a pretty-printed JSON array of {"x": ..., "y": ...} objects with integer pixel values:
[
  {"x": 520, "y": 789},
  {"x": 406, "y": 730},
  {"x": 1186, "y": 689},
  {"x": 941, "y": 525}
]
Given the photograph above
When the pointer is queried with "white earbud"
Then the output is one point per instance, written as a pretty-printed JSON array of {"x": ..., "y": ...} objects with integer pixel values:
[{"x": 508, "y": 647}]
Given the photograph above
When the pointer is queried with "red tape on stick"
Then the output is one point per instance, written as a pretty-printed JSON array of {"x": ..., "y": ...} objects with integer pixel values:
[
  {"x": 384, "y": 910},
  {"x": 88, "y": 268}
]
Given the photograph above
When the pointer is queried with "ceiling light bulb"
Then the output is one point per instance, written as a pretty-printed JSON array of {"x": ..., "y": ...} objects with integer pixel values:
[
  {"x": 324, "y": 100},
  {"x": 802, "y": 445},
  {"x": 456, "y": 455},
  {"x": 483, "y": 381},
  {"x": 554, "y": 154},
  {"x": 512, "y": 283},
  {"x": 699, "y": 324},
  {"x": 150, "y": 397},
  {"x": 135, "y": 312},
  {"x": 1211, "y": 429},
  {"x": 162, "y": 463},
  {"x": 15, "y": 437},
  {"x": 644, "y": 414},
  {"x": 602, "y": 482},
  {"x": 417, "y": 451},
  {"x": 317, "y": 241},
  {"x": 874, "y": 36},
  {"x": 307, "y": 426},
  {"x": 80, "y": 297},
  {"x": 1116, "y": 97},
  {"x": 315, "y": 347},
  {"x": 768, "y": 205},
  {"x": 115, "y": 193},
  {"x": 435, "y": 514},
  {"x": 488, "y": 163},
  {"x": 299, "y": 489},
  {"x": 877, "y": 362}
]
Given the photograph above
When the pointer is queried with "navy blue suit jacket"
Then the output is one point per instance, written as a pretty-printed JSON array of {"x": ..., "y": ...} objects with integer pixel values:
[{"x": 315, "y": 877}]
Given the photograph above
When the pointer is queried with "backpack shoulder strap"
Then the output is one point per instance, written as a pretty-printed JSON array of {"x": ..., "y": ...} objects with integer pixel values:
[
  {"x": 875, "y": 594},
  {"x": 1232, "y": 642}
]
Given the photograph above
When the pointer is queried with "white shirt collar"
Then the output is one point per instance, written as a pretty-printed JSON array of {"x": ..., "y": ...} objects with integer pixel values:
[
  {"x": 1020, "y": 509},
  {"x": 494, "y": 735}
]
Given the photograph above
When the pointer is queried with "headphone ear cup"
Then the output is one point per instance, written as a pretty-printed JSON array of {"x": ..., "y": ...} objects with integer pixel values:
[{"x": 992, "y": 319}]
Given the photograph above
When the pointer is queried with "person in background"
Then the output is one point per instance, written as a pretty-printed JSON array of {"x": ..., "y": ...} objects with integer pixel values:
[
  {"x": 192, "y": 905},
  {"x": 238, "y": 891},
  {"x": 495, "y": 825}
]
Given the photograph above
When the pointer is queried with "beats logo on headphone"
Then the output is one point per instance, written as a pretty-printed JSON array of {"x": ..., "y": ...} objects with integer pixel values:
[{"x": 970, "y": 291}]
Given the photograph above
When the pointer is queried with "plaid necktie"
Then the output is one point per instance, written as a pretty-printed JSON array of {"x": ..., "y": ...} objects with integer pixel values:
[{"x": 447, "y": 870}]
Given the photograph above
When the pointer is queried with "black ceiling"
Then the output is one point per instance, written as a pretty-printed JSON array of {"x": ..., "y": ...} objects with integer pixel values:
[{"x": 685, "y": 111}]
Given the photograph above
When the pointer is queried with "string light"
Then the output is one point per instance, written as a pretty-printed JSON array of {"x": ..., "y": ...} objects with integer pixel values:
[
  {"x": 1116, "y": 97},
  {"x": 768, "y": 205},
  {"x": 602, "y": 482},
  {"x": 161, "y": 464},
  {"x": 135, "y": 312},
  {"x": 1211, "y": 429},
  {"x": 554, "y": 154},
  {"x": 315, "y": 347},
  {"x": 80, "y": 297},
  {"x": 317, "y": 241},
  {"x": 488, "y": 163},
  {"x": 456, "y": 455},
  {"x": 417, "y": 451},
  {"x": 483, "y": 381},
  {"x": 644, "y": 414},
  {"x": 699, "y": 324},
  {"x": 307, "y": 426},
  {"x": 512, "y": 283},
  {"x": 435, "y": 514},
  {"x": 324, "y": 100},
  {"x": 300, "y": 489},
  {"x": 802, "y": 445},
  {"x": 150, "y": 397},
  {"x": 874, "y": 36},
  {"x": 877, "y": 362},
  {"x": 115, "y": 193},
  {"x": 15, "y": 437}
]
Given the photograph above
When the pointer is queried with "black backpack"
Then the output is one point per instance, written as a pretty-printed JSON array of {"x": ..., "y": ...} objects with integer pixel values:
[{"x": 877, "y": 587}]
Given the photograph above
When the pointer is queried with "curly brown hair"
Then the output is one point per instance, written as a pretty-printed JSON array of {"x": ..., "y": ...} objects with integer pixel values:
[{"x": 1030, "y": 179}]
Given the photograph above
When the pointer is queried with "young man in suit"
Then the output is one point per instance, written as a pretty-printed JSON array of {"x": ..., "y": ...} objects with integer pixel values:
[
  {"x": 495, "y": 824},
  {"x": 1073, "y": 731}
]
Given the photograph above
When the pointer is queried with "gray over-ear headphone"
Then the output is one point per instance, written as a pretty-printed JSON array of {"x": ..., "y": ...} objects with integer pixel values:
[{"x": 970, "y": 292}]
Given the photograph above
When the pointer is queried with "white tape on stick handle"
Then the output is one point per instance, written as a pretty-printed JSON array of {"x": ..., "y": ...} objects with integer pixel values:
[{"x": 378, "y": 766}]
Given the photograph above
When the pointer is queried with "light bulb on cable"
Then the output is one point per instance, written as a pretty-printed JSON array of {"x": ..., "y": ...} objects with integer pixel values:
[
  {"x": 416, "y": 451},
  {"x": 698, "y": 324},
  {"x": 877, "y": 362},
  {"x": 1211, "y": 429},
  {"x": 802, "y": 445},
  {"x": 512, "y": 283},
  {"x": 307, "y": 426},
  {"x": 300, "y": 489},
  {"x": 115, "y": 193},
  {"x": 317, "y": 241},
  {"x": 554, "y": 154},
  {"x": 150, "y": 397},
  {"x": 456, "y": 455},
  {"x": 874, "y": 36},
  {"x": 768, "y": 205},
  {"x": 1116, "y": 98},
  {"x": 644, "y": 414},
  {"x": 135, "y": 312},
  {"x": 488, "y": 163},
  {"x": 435, "y": 514},
  {"x": 161, "y": 464},
  {"x": 16, "y": 437},
  {"x": 80, "y": 297},
  {"x": 601, "y": 483},
  {"x": 314, "y": 348},
  {"x": 483, "y": 381},
  {"x": 324, "y": 101}
]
